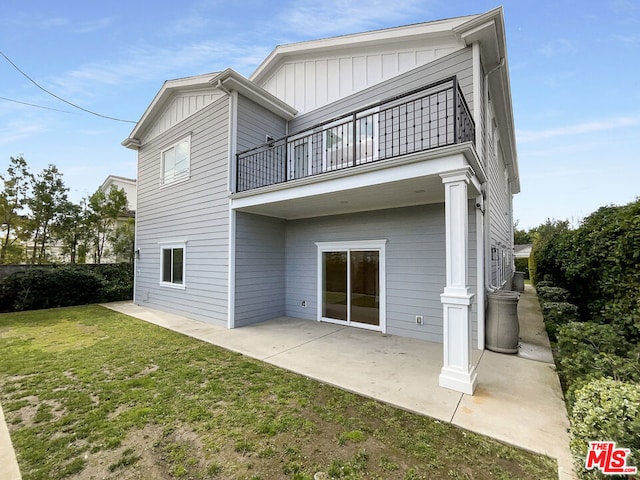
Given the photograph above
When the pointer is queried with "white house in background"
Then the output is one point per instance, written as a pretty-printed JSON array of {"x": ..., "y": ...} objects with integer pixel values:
[
  {"x": 126, "y": 184},
  {"x": 364, "y": 180},
  {"x": 129, "y": 187}
]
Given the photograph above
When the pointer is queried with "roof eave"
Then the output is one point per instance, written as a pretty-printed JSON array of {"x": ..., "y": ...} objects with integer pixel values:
[
  {"x": 488, "y": 31},
  {"x": 229, "y": 79}
]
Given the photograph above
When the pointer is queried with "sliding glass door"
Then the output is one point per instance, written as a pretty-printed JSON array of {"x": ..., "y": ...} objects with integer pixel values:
[{"x": 350, "y": 283}]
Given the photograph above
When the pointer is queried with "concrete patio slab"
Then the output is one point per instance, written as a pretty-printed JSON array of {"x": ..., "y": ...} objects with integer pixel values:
[
  {"x": 9, "y": 469},
  {"x": 518, "y": 399}
]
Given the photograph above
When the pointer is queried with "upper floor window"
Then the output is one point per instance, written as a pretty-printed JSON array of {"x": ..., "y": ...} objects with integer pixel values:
[{"x": 176, "y": 161}]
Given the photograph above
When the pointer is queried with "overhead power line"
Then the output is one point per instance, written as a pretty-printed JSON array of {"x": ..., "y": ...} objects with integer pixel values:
[
  {"x": 33, "y": 105},
  {"x": 60, "y": 98}
]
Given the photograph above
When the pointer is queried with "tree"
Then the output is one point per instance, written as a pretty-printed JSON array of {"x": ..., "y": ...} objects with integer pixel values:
[
  {"x": 123, "y": 241},
  {"x": 48, "y": 198},
  {"x": 104, "y": 210},
  {"x": 13, "y": 200},
  {"x": 70, "y": 229}
]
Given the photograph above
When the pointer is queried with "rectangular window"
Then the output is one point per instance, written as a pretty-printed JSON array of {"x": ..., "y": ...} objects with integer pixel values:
[
  {"x": 176, "y": 162},
  {"x": 172, "y": 265}
]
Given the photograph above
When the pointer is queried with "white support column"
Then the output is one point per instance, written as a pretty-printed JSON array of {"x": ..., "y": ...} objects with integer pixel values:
[{"x": 457, "y": 371}]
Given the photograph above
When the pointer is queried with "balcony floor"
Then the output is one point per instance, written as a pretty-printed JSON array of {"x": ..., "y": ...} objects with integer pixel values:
[{"x": 401, "y": 182}]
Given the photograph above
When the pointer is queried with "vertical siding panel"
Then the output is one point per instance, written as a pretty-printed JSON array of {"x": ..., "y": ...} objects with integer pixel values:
[{"x": 459, "y": 63}]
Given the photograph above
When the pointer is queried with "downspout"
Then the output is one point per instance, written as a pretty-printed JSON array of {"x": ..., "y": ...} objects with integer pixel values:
[
  {"x": 231, "y": 142},
  {"x": 487, "y": 226}
]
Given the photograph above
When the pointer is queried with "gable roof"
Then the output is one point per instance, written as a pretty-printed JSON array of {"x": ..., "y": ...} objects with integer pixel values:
[
  {"x": 224, "y": 81},
  {"x": 408, "y": 33}
]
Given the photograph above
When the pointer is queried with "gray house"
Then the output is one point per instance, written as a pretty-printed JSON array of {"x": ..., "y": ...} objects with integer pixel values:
[{"x": 364, "y": 180}]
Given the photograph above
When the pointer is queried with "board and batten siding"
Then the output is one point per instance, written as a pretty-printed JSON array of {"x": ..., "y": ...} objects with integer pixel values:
[
  {"x": 181, "y": 107},
  {"x": 415, "y": 263},
  {"x": 310, "y": 83},
  {"x": 459, "y": 63},
  {"x": 260, "y": 269},
  {"x": 194, "y": 211}
]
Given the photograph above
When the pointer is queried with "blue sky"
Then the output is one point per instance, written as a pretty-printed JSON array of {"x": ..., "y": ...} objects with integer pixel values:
[{"x": 574, "y": 68}]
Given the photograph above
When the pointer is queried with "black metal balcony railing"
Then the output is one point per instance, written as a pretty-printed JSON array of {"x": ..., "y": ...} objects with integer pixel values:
[{"x": 430, "y": 117}]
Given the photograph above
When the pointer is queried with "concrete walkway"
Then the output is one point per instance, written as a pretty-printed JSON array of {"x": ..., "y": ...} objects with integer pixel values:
[{"x": 518, "y": 399}]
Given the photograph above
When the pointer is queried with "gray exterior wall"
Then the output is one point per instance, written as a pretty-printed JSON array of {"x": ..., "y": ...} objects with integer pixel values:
[
  {"x": 255, "y": 123},
  {"x": 459, "y": 63},
  {"x": 260, "y": 269},
  {"x": 499, "y": 210},
  {"x": 415, "y": 263},
  {"x": 195, "y": 211}
]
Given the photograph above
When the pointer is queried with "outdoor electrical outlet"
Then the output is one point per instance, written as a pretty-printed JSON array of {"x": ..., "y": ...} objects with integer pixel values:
[
  {"x": 304, "y": 303},
  {"x": 419, "y": 319}
]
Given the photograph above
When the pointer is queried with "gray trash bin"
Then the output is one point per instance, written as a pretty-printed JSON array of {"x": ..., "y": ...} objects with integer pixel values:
[
  {"x": 518, "y": 281},
  {"x": 502, "y": 331}
]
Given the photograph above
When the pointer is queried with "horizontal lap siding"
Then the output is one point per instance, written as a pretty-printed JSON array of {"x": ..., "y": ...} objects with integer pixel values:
[
  {"x": 260, "y": 269},
  {"x": 255, "y": 123},
  {"x": 415, "y": 265},
  {"x": 459, "y": 63},
  {"x": 195, "y": 211}
]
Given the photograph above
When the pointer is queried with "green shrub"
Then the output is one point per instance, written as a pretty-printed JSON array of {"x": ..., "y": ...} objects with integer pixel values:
[
  {"x": 38, "y": 288},
  {"x": 118, "y": 281},
  {"x": 544, "y": 283},
  {"x": 556, "y": 314},
  {"x": 552, "y": 294},
  {"x": 58, "y": 286},
  {"x": 586, "y": 351},
  {"x": 522, "y": 265},
  {"x": 605, "y": 410}
]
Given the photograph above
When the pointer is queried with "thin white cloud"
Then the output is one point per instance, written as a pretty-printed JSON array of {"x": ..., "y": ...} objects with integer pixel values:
[
  {"x": 577, "y": 129},
  {"x": 152, "y": 63},
  {"x": 629, "y": 40},
  {"x": 340, "y": 16},
  {"x": 560, "y": 46},
  {"x": 93, "y": 25},
  {"x": 16, "y": 131}
]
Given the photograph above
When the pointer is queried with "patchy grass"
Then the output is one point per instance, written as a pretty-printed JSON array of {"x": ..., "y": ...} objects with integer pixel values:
[{"x": 90, "y": 393}]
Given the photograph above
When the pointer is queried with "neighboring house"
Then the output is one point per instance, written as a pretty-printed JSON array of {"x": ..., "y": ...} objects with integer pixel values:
[
  {"x": 129, "y": 187},
  {"x": 523, "y": 251},
  {"x": 363, "y": 180}
]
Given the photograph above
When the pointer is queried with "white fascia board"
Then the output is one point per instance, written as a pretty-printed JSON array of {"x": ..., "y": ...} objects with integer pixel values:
[
  {"x": 488, "y": 31},
  {"x": 232, "y": 80},
  {"x": 169, "y": 88},
  {"x": 375, "y": 37}
]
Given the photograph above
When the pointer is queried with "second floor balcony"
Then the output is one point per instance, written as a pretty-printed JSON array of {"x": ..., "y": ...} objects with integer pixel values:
[{"x": 431, "y": 117}]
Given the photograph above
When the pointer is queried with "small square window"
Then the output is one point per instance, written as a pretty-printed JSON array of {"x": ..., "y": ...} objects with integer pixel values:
[
  {"x": 172, "y": 265},
  {"x": 176, "y": 162}
]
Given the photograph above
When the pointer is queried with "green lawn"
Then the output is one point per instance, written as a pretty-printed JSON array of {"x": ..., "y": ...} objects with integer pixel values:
[{"x": 90, "y": 393}]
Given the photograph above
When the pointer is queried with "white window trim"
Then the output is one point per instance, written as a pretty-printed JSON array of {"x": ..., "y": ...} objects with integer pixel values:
[
  {"x": 168, "y": 246},
  {"x": 357, "y": 245},
  {"x": 163, "y": 183}
]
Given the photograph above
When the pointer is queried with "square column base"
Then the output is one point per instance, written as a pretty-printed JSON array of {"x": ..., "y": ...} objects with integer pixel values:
[{"x": 464, "y": 382}]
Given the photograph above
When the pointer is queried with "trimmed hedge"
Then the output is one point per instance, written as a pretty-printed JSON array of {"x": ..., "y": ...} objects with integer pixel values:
[
  {"x": 605, "y": 410},
  {"x": 557, "y": 314},
  {"x": 522, "y": 265},
  {"x": 553, "y": 294},
  {"x": 62, "y": 286}
]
